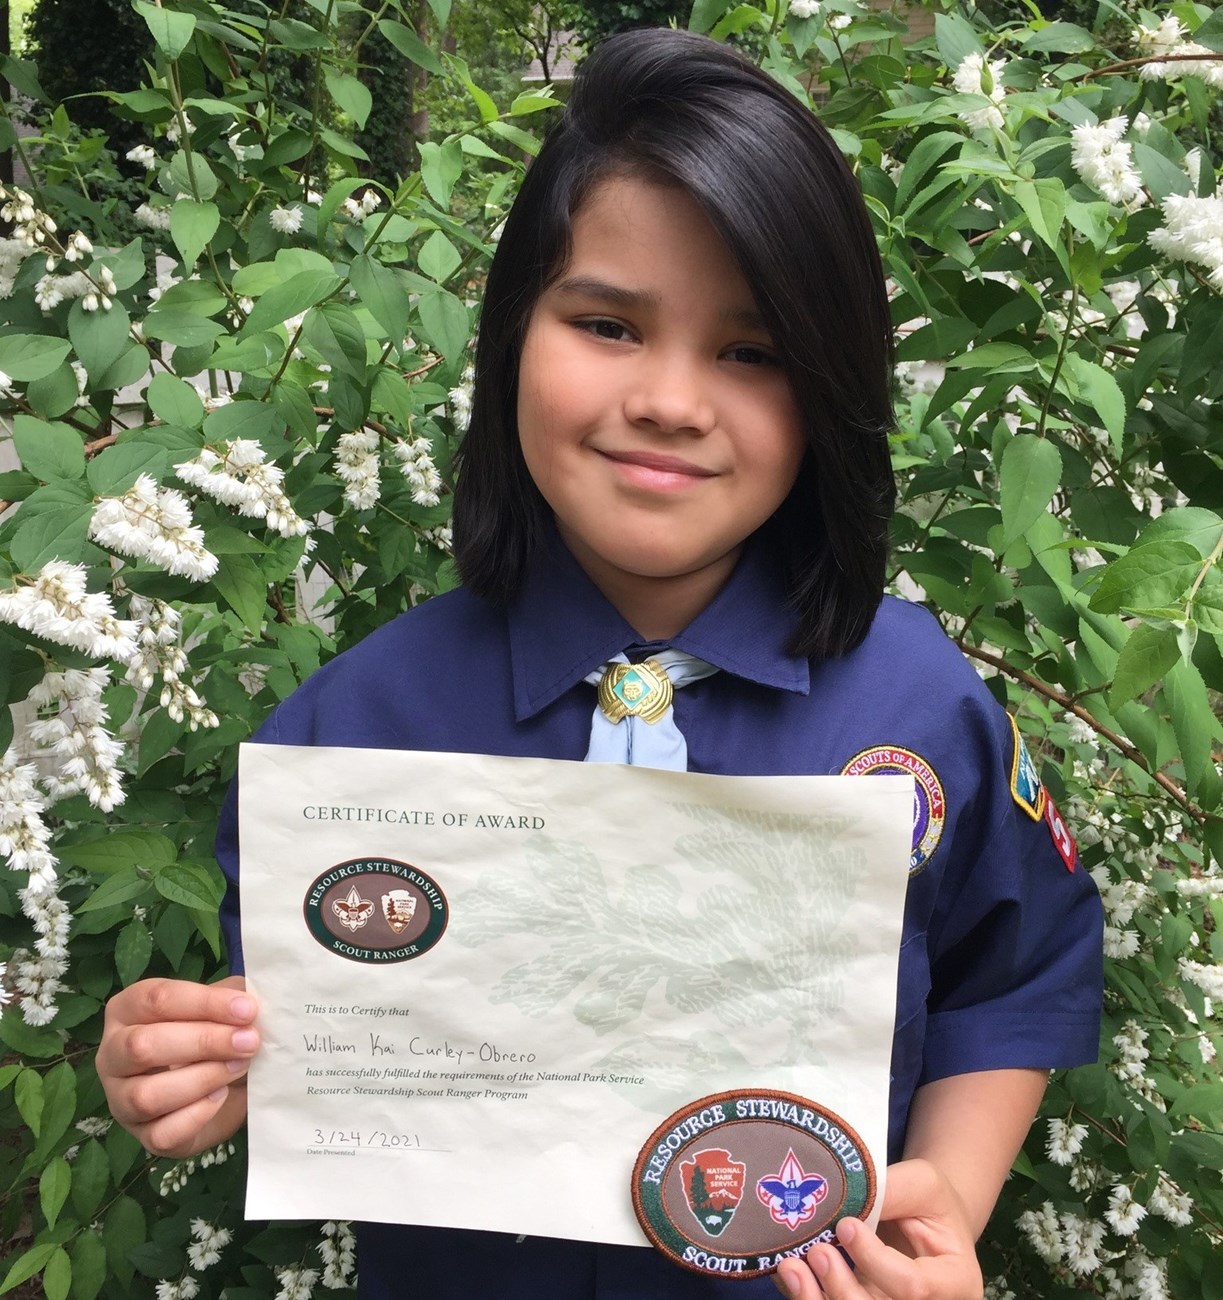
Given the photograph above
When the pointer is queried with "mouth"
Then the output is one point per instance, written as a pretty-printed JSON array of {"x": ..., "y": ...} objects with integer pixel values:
[{"x": 655, "y": 469}]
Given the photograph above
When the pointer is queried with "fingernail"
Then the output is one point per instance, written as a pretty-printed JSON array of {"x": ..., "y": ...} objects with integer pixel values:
[
  {"x": 245, "y": 1040},
  {"x": 243, "y": 1008},
  {"x": 847, "y": 1231},
  {"x": 237, "y": 1067},
  {"x": 218, "y": 1094}
]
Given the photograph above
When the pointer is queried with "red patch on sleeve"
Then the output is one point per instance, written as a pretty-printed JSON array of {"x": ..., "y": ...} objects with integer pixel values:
[{"x": 1063, "y": 841}]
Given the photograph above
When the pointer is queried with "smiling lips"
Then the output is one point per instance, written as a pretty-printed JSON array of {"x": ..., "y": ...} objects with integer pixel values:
[{"x": 659, "y": 472}]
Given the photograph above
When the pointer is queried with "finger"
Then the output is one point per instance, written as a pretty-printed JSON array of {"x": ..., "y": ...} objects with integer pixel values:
[
  {"x": 148, "y": 1097},
  {"x": 196, "y": 1127},
  {"x": 954, "y": 1275},
  {"x": 144, "y": 1048},
  {"x": 152, "y": 1001},
  {"x": 795, "y": 1280}
]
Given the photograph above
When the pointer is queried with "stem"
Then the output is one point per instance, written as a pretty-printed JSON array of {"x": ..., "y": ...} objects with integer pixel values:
[
  {"x": 1126, "y": 64},
  {"x": 1204, "y": 570},
  {"x": 314, "y": 108},
  {"x": 1069, "y": 704},
  {"x": 1061, "y": 352}
]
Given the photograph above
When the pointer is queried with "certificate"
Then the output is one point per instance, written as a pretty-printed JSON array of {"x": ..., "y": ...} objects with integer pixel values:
[{"x": 496, "y": 991}]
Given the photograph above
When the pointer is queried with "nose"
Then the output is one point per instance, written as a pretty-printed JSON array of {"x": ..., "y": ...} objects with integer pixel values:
[{"x": 671, "y": 392}]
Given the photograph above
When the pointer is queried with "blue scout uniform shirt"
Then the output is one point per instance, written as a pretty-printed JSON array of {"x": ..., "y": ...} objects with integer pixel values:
[{"x": 1000, "y": 964}]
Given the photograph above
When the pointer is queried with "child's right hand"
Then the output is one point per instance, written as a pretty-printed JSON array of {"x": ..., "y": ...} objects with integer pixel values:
[{"x": 173, "y": 1062}]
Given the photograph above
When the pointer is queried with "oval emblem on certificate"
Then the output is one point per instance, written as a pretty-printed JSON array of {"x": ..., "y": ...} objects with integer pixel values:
[
  {"x": 929, "y": 801},
  {"x": 376, "y": 910},
  {"x": 734, "y": 1183}
]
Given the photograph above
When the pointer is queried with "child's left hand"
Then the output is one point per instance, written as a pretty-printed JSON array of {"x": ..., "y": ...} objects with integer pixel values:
[{"x": 931, "y": 1255}]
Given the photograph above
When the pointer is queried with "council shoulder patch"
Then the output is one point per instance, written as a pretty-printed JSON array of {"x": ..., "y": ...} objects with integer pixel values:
[
  {"x": 929, "y": 802},
  {"x": 1026, "y": 787},
  {"x": 734, "y": 1183},
  {"x": 1063, "y": 841},
  {"x": 376, "y": 910}
]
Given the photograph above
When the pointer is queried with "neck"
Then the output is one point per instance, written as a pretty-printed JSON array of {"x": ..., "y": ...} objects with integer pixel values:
[{"x": 657, "y": 608}]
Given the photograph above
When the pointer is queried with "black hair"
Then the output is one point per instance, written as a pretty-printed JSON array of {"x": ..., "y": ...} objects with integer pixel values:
[{"x": 682, "y": 109}]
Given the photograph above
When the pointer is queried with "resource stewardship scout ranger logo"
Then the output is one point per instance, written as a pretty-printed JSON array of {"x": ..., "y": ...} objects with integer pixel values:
[
  {"x": 734, "y": 1183},
  {"x": 376, "y": 910}
]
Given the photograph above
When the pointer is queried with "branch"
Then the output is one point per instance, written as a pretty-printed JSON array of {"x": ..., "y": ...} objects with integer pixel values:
[
  {"x": 1070, "y": 705},
  {"x": 1126, "y": 64}
]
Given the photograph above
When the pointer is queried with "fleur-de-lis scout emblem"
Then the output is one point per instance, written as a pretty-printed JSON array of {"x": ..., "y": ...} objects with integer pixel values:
[
  {"x": 643, "y": 690},
  {"x": 353, "y": 911}
]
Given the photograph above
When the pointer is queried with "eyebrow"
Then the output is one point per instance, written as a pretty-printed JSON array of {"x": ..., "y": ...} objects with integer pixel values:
[{"x": 616, "y": 295}]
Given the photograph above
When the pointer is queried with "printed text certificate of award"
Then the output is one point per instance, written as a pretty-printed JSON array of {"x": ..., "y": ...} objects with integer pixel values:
[{"x": 484, "y": 982}]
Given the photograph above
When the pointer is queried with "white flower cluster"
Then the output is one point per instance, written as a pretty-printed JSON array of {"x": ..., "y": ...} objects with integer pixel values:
[
  {"x": 977, "y": 75},
  {"x": 296, "y": 1283},
  {"x": 1131, "y": 1065},
  {"x": 1169, "y": 38},
  {"x": 1209, "y": 886},
  {"x": 205, "y": 1250},
  {"x": 175, "y": 1178},
  {"x": 160, "y": 651},
  {"x": 1208, "y": 978},
  {"x": 143, "y": 155},
  {"x": 360, "y": 208},
  {"x": 13, "y": 252},
  {"x": 416, "y": 461},
  {"x": 356, "y": 462},
  {"x": 186, "y": 1288},
  {"x": 237, "y": 474},
  {"x": 804, "y": 8},
  {"x": 152, "y": 523},
  {"x": 460, "y": 401},
  {"x": 24, "y": 840},
  {"x": 442, "y": 537},
  {"x": 1121, "y": 899},
  {"x": 94, "y": 1126},
  {"x": 1081, "y": 1241},
  {"x": 1124, "y": 1213},
  {"x": 1169, "y": 1202},
  {"x": 286, "y": 221},
  {"x": 1102, "y": 158},
  {"x": 338, "y": 1250},
  {"x": 997, "y": 1289},
  {"x": 30, "y": 227},
  {"x": 1043, "y": 1232},
  {"x": 1193, "y": 232},
  {"x": 56, "y": 607},
  {"x": 153, "y": 218},
  {"x": 75, "y": 739},
  {"x": 1065, "y": 1141}
]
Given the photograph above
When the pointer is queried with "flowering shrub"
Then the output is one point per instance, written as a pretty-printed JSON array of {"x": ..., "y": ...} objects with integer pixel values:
[{"x": 229, "y": 459}]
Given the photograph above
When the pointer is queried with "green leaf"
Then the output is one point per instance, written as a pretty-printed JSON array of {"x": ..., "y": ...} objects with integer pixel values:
[
  {"x": 88, "y": 1264},
  {"x": 123, "y": 887},
  {"x": 351, "y": 95},
  {"x": 115, "y": 470},
  {"x": 171, "y": 31},
  {"x": 406, "y": 41},
  {"x": 57, "y": 1276},
  {"x": 297, "y": 294},
  {"x": 259, "y": 421},
  {"x": 90, "y": 1179},
  {"x": 174, "y": 401},
  {"x": 183, "y": 328},
  {"x": 99, "y": 337},
  {"x": 925, "y": 154},
  {"x": 1060, "y": 38},
  {"x": 705, "y": 13},
  {"x": 48, "y": 451},
  {"x": 287, "y": 147},
  {"x": 1029, "y": 476},
  {"x": 53, "y": 1188},
  {"x": 1202, "y": 529},
  {"x": 24, "y": 357},
  {"x": 441, "y": 165},
  {"x": 1196, "y": 728},
  {"x": 439, "y": 258},
  {"x": 1146, "y": 656},
  {"x": 1159, "y": 174},
  {"x": 55, "y": 394},
  {"x": 59, "y": 1104},
  {"x": 1044, "y": 202},
  {"x": 380, "y": 291},
  {"x": 336, "y": 335},
  {"x": 1210, "y": 32},
  {"x": 50, "y": 532},
  {"x": 445, "y": 323},
  {"x": 27, "y": 1264},
  {"x": 190, "y": 174},
  {"x": 1002, "y": 358},
  {"x": 133, "y": 949},
  {"x": 1101, "y": 391},
  {"x": 483, "y": 101},
  {"x": 335, "y": 196},
  {"x": 28, "y": 1094},
  {"x": 956, "y": 39},
  {"x": 1153, "y": 576},
  {"x": 242, "y": 586},
  {"x": 190, "y": 885},
  {"x": 192, "y": 226},
  {"x": 123, "y": 1230}
]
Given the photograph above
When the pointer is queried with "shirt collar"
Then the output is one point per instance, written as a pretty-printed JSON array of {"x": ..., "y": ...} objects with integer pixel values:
[{"x": 561, "y": 627}]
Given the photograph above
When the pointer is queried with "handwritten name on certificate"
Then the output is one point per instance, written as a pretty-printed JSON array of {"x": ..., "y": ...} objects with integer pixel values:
[{"x": 485, "y": 982}]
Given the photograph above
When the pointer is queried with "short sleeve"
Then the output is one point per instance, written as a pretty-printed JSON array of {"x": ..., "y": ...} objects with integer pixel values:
[{"x": 1015, "y": 938}]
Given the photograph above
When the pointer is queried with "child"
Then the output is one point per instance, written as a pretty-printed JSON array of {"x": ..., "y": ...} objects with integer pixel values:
[{"x": 679, "y": 439}]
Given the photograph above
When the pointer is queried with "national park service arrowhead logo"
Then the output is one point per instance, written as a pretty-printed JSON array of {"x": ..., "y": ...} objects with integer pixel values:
[
  {"x": 376, "y": 910},
  {"x": 732, "y": 1184}
]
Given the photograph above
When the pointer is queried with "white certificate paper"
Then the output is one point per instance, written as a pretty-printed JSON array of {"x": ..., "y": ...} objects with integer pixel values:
[{"x": 484, "y": 982}]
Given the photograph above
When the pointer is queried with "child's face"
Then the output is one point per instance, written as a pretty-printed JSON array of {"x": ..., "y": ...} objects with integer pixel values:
[{"x": 654, "y": 417}]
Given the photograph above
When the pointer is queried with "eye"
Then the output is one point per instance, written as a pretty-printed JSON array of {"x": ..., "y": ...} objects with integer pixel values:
[
  {"x": 601, "y": 327},
  {"x": 749, "y": 355}
]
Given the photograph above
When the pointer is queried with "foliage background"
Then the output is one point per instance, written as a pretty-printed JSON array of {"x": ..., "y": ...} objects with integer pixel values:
[{"x": 261, "y": 289}]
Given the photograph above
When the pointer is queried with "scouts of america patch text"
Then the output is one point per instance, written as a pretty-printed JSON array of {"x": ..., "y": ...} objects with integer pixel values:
[{"x": 929, "y": 802}]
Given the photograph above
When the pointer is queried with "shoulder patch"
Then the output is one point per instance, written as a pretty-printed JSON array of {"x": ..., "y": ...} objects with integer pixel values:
[
  {"x": 1063, "y": 841},
  {"x": 1026, "y": 787},
  {"x": 929, "y": 802}
]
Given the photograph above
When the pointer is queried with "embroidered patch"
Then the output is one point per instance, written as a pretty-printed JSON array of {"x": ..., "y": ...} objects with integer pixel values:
[
  {"x": 1026, "y": 787},
  {"x": 929, "y": 803},
  {"x": 376, "y": 910},
  {"x": 732, "y": 1184},
  {"x": 1063, "y": 841}
]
